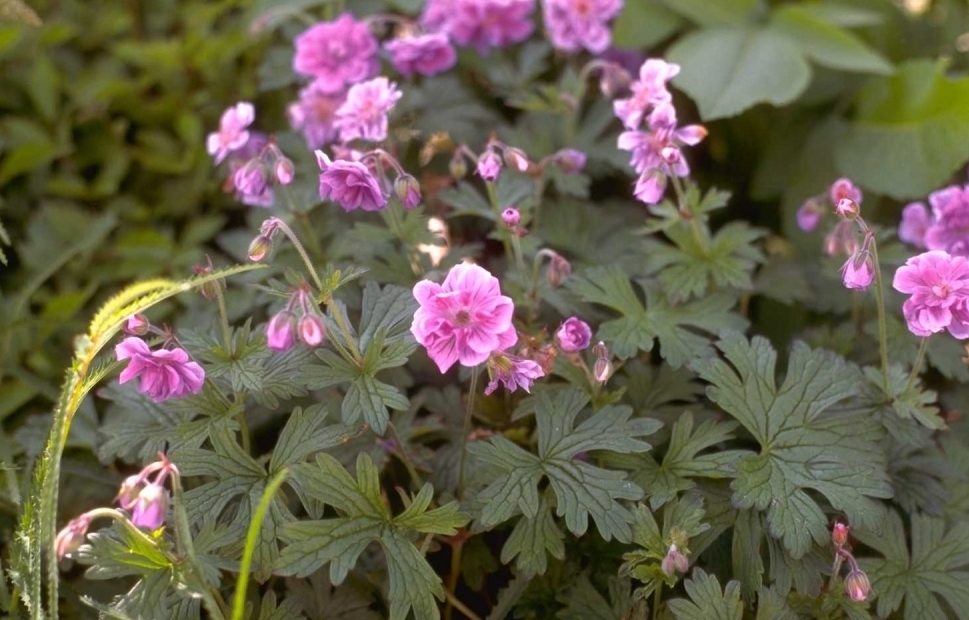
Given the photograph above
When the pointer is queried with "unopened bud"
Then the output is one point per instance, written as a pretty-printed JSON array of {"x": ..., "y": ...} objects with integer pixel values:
[
  {"x": 602, "y": 369},
  {"x": 613, "y": 80},
  {"x": 129, "y": 491},
  {"x": 458, "y": 166},
  {"x": 281, "y": 331},
  {"x": 570, "y": 161},
  {"x": 489, "y": 165},
  {"x": 210, "y": 290},
  {"x": 859, "y": 271},
  {"x": 559, "y": 269},
  {"x": 251, "y": 178},
  {"x": 839, "y": 534},
  {"x": 151, "y": 507},
  {"x": 284, "y": 170},
  {"x": 809, "y": 215},
  {"x": 847, "y": 208},
  {"x": 511, "y": 217},
  {"x": 674, "y": 562},
  {"x": 408, "y": 191},
  {"x": 311, "y": 330},
  {"x": 72, "y": 536},
  {"x": 516, "y": 158},
  {"x": 260, "y": 247},
  {"x": 136, "y": 325},
  {"x": 857, "y": 585}
]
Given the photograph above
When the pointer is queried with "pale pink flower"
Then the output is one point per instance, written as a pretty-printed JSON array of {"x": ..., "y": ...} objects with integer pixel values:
[
  {"x": 649, "y": 90},
  {"x": 69, "y": 539},
  {"x": 465, "y": 319},
  {"x": 427, "y": 54},
  {"x": 165, "y": 373},
  {"x": 572, "y": 25},
  {"x": 363, "y": 115},
  {"x": 337, "y": 54},
  {"x": 915, "y": 223},
  {"x": 939, "y": 287},
  {"x": 489, "y": 165},
  {"x": 232, "y": 133},
  {"x": 484, "y": 24},
  {"x": 315, "y": 115},
  {"x": 350, "y": 183},
  {"x": 844, "y": 189},
  {"x": 512, "y": 372},
  {"x": 949, "y": 230},
  {"x": 150, "y": 507},
  {"x": 574, "y": 335}
]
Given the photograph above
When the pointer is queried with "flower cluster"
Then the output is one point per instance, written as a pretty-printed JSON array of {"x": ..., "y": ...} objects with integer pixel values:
[
  {"x": 856, "y": 583},
  {"x": 945, "y": 228},
  {"x": 164, "y": 373},
  {"x": 300, "y": 317},
  {"x": 656, "y": 153},
  {"x": 572, "y": 25},
  {"x": 482, "y": 24}
]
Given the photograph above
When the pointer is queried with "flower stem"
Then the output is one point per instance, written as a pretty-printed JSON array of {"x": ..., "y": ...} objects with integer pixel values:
[
  {"x": 224, "y": 320},
  {"x": 283, "y": 226},
  {"x": 496, "y": 207},
  {"x": 657, "y": 599},
  {"x": 472, "y": 388},
  {"x": 453, "y": 600},
  {"x": 880, "y": 299},
  {"x": 405, "y": 457},
  {"x": 303, "y": 218},
  {"x": 397, "y": 227},
  {"x": 917, "y": 365}
]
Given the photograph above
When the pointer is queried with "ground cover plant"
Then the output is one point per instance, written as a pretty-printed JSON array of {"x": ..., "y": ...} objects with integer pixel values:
[{"x": 486, "y": 309}]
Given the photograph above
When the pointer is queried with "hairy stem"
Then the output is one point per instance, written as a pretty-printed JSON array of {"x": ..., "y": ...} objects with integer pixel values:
[
  {"x": 880, "y": 300},
  {"x": 283, "y": 226}
]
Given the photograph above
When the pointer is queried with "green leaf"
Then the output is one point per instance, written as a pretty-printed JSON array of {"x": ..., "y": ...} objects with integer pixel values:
[
  {"x": 304, "y": 435},
  {"x": 583, "y": 602},
  {"x": 319, "y": 600},
  {"x": 366, "y": 518},
  {"x": 828, "y": 44},
  {"x": 842, "y": 14},
  {"x": 581, "y": 489},
  {"x": 672, "y": 325},
  {"x": 120, "y": 552},
  {"x": 713, "y": 12},
  {"x": 532, "y": 540},
  {"x": 707, "y": 600},
  {"x": 269, "y": 610},
  {"x": 909, "y": 131},
  {"x": 645, "y": 23},
  {"x": 802, "y": 449},
  {"x": 937, "y": 566},
  {"x": 727, "y": 70}
]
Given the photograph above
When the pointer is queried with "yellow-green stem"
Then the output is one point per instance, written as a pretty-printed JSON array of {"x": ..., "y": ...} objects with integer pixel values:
[
  {"x": 453, "y": 600},
  {"x": 882, "y": 325},
  {"x": 472, "y": 388},
  {"x": 186, "y": 547},
  {"x": 496, "y": 207},
  {"x": 283, "y": 226},
  {"x": 917, "y": 365},
  {"x": 405, "y": 457},
  {"x": 224, "y": 320}
]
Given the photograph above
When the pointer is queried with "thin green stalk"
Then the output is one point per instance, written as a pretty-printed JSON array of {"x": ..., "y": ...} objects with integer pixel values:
[
  {"x": 496, "y": 207},
  {"x": 402, "y": 451},
  {"x": 345, "y": 330},
  {"x": 880, "y": 299},
  {"x": 393, "y": 218},
  {"x": 283, "y": 226},
  {"x": 453, "y": 600},
  {"x": 917, "y": 365},
  {"x": 473, "y": 387},
  {"x": 303, "y": 218},
  {"x": 657, "y": 599},
  {"x": 239, "y": 599},
  {"x": 224, "y": 320},
  {"x": 186, "y": 548}
]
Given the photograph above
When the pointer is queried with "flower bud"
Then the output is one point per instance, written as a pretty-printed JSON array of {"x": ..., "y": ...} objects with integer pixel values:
[
  {"x": 574, "y": 335},
  {"x": 136, "y": 325},
  {"x": 844, "y": 189},
  {"x": 151, "y": 507},
  {"x": 847, "y": 208},
  {"x": 210, "y": 290},
  {"x": 489, "y": 165},
  {"x": 516, "y": 158},
  {"x": 408, "y": 191},
  {"x": 511, "y": 217},
  {"x": 559, "y": 270},
  {"x": 809, "y": 215},
  {"x": 281, "y": 331},
  {"x": 284, "y": 170},
  {"x": 859, "y": 271},
  {"x": 857, "y": 585},
  {"x": 570, "y": 161},
  {"x": 72, "y": 536},
  {"x": 129, "y": 491},
  {"x": 251, "y": 179},
  {"x": 458, "y": 167},
  {"x": 602, "y": 369},
  {"x": 674, "y": 562},
  {"x": 839, "y": 534},
  {"x": 311, "y": 329},
  {"x": 260, "y": 247},
  {"x": 613, "y": 79}
]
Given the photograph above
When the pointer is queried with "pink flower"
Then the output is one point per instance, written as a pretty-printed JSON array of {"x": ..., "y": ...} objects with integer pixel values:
[
  {"x": 73, "y": 535},
  {"x": 489, "y": 165},
  {"x": 950, "y": 229},
  {"x": 281, "y": 331},
  {"x": 364, "y": 113},
  {"x": 844, "y": 189},
  {"x": 574, "y": 335},
  {"x": 939, "y": 287},
  {"x": 166, "y": 373},
  {"x": 915, "y": 222},
  {"x": 465, "y": 319},
  {"x": 232, "y": 132},
  {"x": 311, "y": 329},
  {"x": 337, "y": 54},
  {"x": 859, "y": 271},
  {"x": 349, "y": 183},
  {"x": 571, "y": 161},
  {"x": 150, "y": 507},
  {"x": 484, "y": 24},
  {"x": 437, "y": 15},
  {"x": 649, "y": 90},
  {"x": 427, "y": 54},
  {"x": 314, "y": 114},
  {"x": 511, "y": 217},
  {"x": 575, "y": 24},
  {"x": 513, "y": 372},
  {"x": 809, "y": 215}
]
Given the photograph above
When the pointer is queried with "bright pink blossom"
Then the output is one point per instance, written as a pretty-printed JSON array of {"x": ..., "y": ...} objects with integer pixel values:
[
  {"x": 349, "y": 183},
  {"x": 949, "y": 230},
  {"x": 489, "y": 165},
  {"x": 363, "y": 116},
  {"x": 939, "y": 287},
  {"x": 574, "y": 335},
  {"x": 858, "y": 271},
  {"x": 512, "y": 372},
  {"x": 649, "y": 90},
  {"x": 315, "y": 115},
  {"x": 915, "y": 223},
  {"x": 465, "y": 319},
  {"x": 281, "y": 331},
  {"x": 844, "y": 189},
  {"x": 165, "y": 373},
  {"x": 232, "y": 132},
  {"x": 427, "y": 54},
  {"x": 484, "y": 24},
  {"x": 337, "y": 54},
  {"x": 572, "y": 25}
]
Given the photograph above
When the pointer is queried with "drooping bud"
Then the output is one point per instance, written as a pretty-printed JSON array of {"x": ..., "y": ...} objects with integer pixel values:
[
  {"x": 251, "y": 179},
  {"x": 129, "y": 491},
  {"x": 311, "y": 329},
  {"x": 674, "y": 562},
  {"x": 841, "y": 240},
  {"x": 511, "y": 217},
  {"x": 613, "y": 79},
  {"x": 847, "y": 208},
  {"x": 574, "y": 335},
  {"x": 859, "y": 271},
  {"x": 839, "y": 534},
  {"x": 136, "y": 325},
  {"x": 857, "y": 585},
  {"x": 809, "y": 215},
  {"x": 516, "y": 158},
  {"x": 151, "y": 507},
  {"x": 210, "y": 290},
  {"x": 281, "y": 331},
  {"x": 489, "y": 165},
  {"x": 284, "y": 170},
  {"x": 570, "y": 161},
  {"x": 602, "y": 369},
  {"x": 260, "y": 247},
  {"x": 458, "y": 167},
  {"x": 72, "y": 536},
  {"x": 408, "y": 191},
  {"x": 559, "y": 270}
]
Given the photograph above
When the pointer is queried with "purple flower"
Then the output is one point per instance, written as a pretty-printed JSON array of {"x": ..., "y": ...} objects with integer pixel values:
[
  {"x": 427, "y": 54},
  {"x": 915, "y": 223},
  {"x": 437, "y": 15},
  {"x": 364, "y": 113},
  {"x": 489, "y": 165},
  {"x": 859, "y": 270},
  {"x": 809, "y": 215},
  {"x": 349, "y": 183},
  {"x": 949, "y": 230},
  {"x": 166, "y": 373},
  {"x": 232, "y": 132},
  {"x": 571, "y": 161},
  {"x": 465, "y": 319},
  {"x": 484, "y": 24},
  {"x": 281, "y": 331},
  {"x": 513, "y": 372},
  {"x": 939, "y": 287},
  {"x": 151, "y": 507},
  {"x": 575, "y": 24},
  {"x": 574, "y": 335},
  {"x": 649, "y": 90},
  {"x": 337, "y": 54},
  {"x": 408, "y": 191},
  {"x": 251, "y": 179},
  {"x": 314, "y": 114}
]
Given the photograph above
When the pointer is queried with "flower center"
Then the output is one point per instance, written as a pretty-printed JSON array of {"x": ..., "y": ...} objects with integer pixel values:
[
  {"x": 462, "y": 318},
  {"x": 941, "y": 290}
]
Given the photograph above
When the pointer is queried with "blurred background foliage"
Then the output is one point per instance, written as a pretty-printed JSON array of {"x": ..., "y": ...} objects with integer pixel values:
[{"x": 104, "y": 107}]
